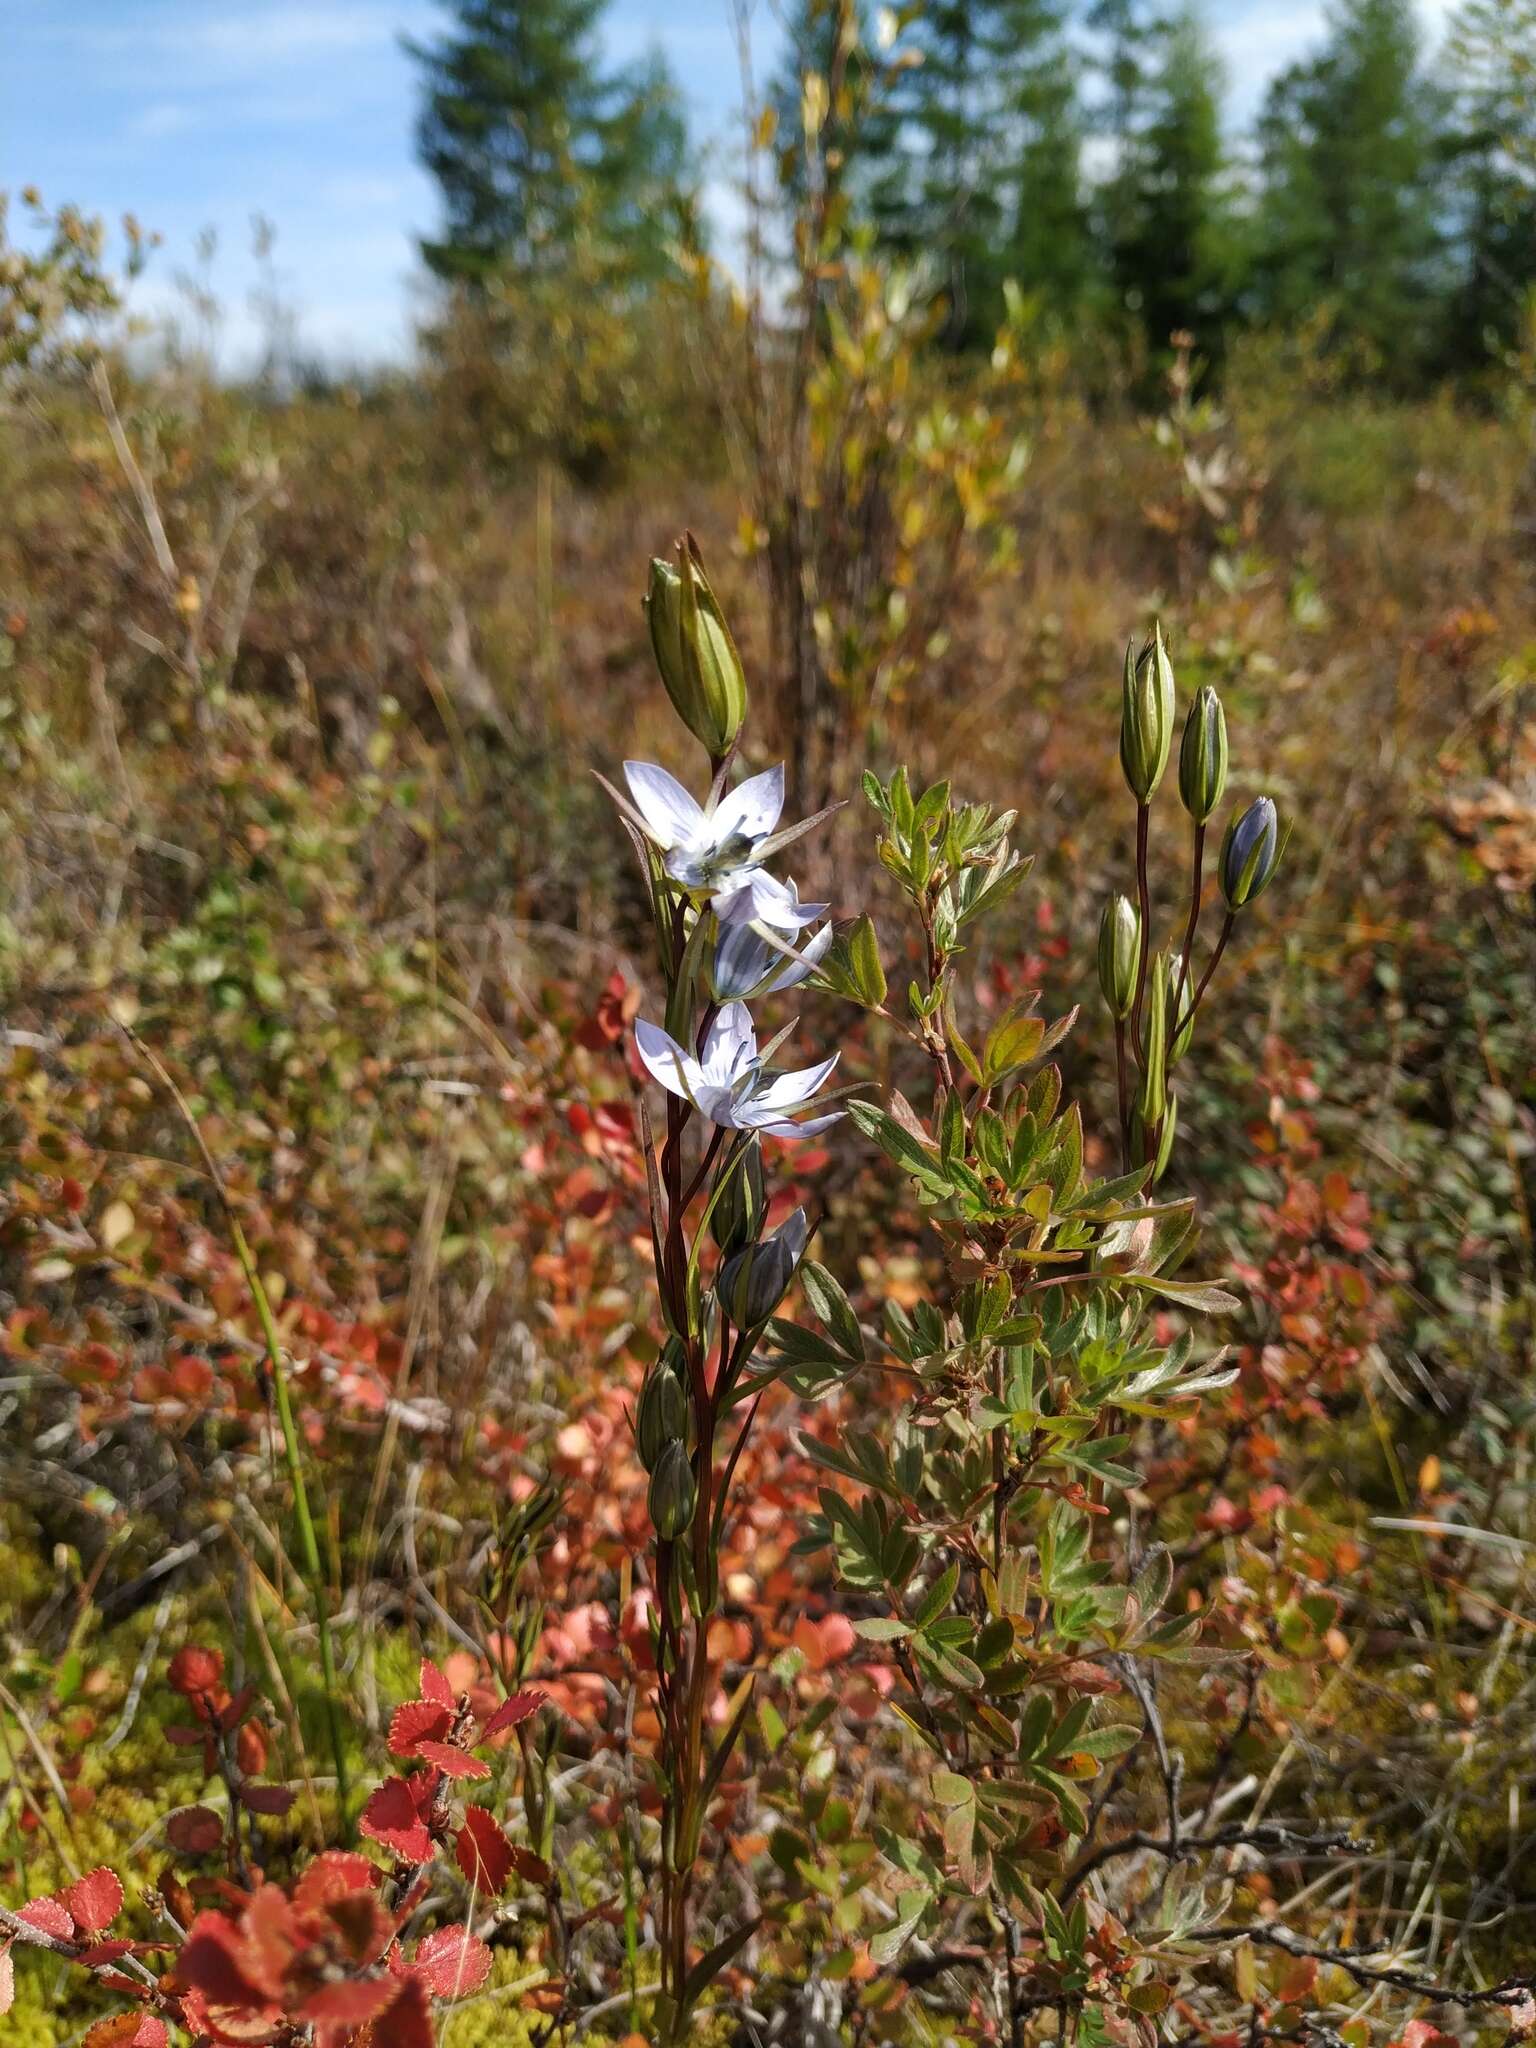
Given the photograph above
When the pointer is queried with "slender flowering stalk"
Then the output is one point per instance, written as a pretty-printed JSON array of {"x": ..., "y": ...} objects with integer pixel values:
[{"x": 729, "y": 933}]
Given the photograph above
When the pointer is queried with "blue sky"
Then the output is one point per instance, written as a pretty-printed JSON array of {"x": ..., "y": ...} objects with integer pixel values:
[{"x": 202, "y": 113}]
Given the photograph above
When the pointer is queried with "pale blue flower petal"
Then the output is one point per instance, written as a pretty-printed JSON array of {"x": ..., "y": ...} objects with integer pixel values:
[
  {"x": 751, "y": 810},
  {"x": 671, "y": 815}
]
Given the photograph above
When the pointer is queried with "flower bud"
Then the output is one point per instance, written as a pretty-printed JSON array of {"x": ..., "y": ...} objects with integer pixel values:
[
  {"x": 662, "y": 1417},
  {"x": 695, "y": 652},
  {"x": 1153, "y": 1098},
  {"x": 737, "y": 1217},
  {"x": 753, "y": 1282},
  {"x": 673, "y": 1492},
  {"x": 1119, "y": 954},
  {"x": 1146, "y": 716},
  {"x": 745, "y": 965},
  {"x": 1250, "y": 852},
  {"x": 1203, "y": 756},
  {"x": 1181, "y": 1021}
]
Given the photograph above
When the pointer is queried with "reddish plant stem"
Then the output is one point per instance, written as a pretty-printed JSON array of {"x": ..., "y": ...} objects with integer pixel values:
[{"x": 1211, "y": 965}]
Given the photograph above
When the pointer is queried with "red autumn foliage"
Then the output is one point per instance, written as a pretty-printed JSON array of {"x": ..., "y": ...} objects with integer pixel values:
[
  {"x": 412, "y": 1816},
  {"x": 324, "y": 1955}
]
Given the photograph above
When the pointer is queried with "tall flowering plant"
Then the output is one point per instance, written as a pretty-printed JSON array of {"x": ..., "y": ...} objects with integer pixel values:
[
  {"x": 731, "y": 934},
  {"x": 969, "y": 1531}
]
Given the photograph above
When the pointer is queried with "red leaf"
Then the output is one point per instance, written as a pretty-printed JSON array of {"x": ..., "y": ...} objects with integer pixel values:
[
  {"x": 407, "y": 2023},
  {"x": 415, "y": 1721},
  {"x": 457, "y": 1763},
  {"x": 231, "y": 1715},
  {"x": 334, "y": 1874},
  {"x": 434, "y": 1686},
  {"x": 50, "y": 1916},
  {"x": 195, "y": 1830},
  {"x": 483, "y": 1852},
  {"x": 530, "y": 1867},
  {"x": 126, "y": 2030},
  {"x": 104, "y": 1952},
  {"x": 391, "y": 1817},
  {"x": 350, "y": 2002},
  {"x": 511, "y": 1711},
  {"x": 271, "y": 1934},
  {"x": 266, "y": 1798},
  {"x": 452, "y": 1962},
  {"x": 94, "y": 1901},
  {"x": 195, "y": 1670},
  {"x": 209, "y": 1961}
]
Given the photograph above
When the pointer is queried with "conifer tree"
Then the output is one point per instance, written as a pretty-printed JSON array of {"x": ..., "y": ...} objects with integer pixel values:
[
  {"x": 1493, "y": 56},
  {"x": 536, "y": 148},
  {"x": 1350, "y": 142},
  {"x": 980, "y": 174},
  {"x": 1169, "y": 219}
]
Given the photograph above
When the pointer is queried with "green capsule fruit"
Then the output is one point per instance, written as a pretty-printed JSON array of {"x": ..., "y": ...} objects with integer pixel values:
[
  {"x": 662, "y": 1416},
  {"x": 1146, "y": 716},
  {"x": 1153, "y": 1098},
  {"x": 737, "y": 1217},
  {"x": 694, "y": 651},
  {"x": 1119, "y": 954},
  {"x": 1181, "y": 1020},
  {"x": 673, "y": 1492},
  {"x": 1203, "y": 756}
]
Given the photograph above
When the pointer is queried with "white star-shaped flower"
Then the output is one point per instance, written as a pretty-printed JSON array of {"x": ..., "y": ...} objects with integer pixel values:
[
  {"x": 729, "y": 1084},
  {"x": 716, "y": 849}
]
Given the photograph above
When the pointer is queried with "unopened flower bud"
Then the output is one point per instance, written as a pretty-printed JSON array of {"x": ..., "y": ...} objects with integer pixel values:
[
  {"x": 695, "y": 652},
  {"x": 753, "y": 1282},
  {"x": 737, "y": 1216},
  {"x": 1146, "y": 716},
  {"x": 1203, "y": 756},
  {"x": 1119, "y": 954},
  {"x": 1153, "y": 1099},
  {"x": 662, "y": 1417},
  {"x": 1250, "y": 852},
  {"x": 673, "y": 1491}
]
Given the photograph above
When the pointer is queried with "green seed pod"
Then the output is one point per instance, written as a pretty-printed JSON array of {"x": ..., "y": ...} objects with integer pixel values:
[
  {"x": 1250, "y": 852},
  {"x": 1153, "y": 1099},
  {"x": 737, "y": 1217},
  {"x": 1203, "y": 756},
  {"x": 695, "y": 652},
  {"x": 1146, "y": 716},
  {"x": 1119, "y": 954},
  {"x": 662, "y": 1417},
  {"x": 1180, "y": 992},
  {"x": 673, "y": 1493},
  {"x": 1165, "y": 1140}
]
